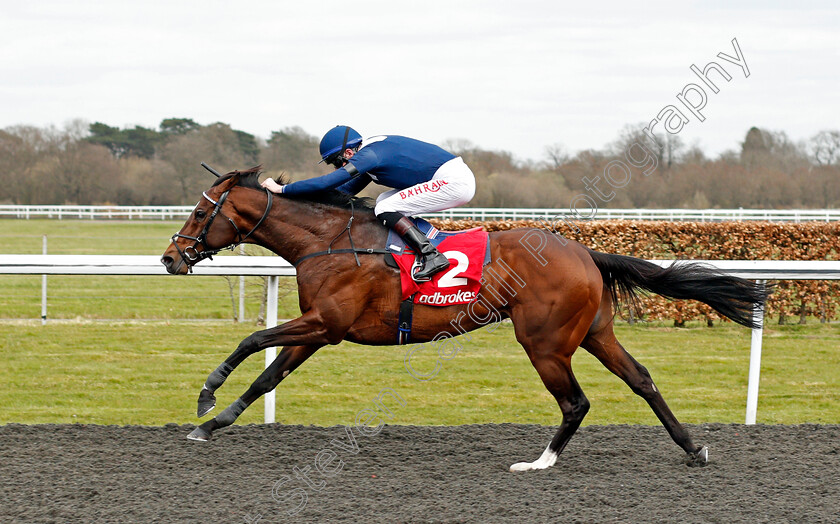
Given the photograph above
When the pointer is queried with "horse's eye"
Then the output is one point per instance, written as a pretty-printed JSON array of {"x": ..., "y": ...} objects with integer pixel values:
[{"x": 200, "y": 214}]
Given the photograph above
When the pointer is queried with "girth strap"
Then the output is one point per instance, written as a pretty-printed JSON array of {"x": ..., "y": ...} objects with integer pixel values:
[{"x": 404, "y": 320}]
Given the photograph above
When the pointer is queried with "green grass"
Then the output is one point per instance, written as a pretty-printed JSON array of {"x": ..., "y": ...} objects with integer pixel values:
[
  {"x": 120, "y": 372},
  {"x": 121, "y": 297},
  {"x": 140, "y": 373},
  {"x": 87, "y": 237},
  {"x": 140, "y": 297}
]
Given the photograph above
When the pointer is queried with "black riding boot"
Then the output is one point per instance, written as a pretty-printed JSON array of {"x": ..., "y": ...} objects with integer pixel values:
[{"x": 433, "y": 260}]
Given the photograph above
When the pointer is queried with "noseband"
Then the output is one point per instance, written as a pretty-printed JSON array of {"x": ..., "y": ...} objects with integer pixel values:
[{"x": 192, "y": 255}]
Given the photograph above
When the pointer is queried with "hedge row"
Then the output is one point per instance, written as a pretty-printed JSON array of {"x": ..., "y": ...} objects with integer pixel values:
[{"x": 712, "y": 241}]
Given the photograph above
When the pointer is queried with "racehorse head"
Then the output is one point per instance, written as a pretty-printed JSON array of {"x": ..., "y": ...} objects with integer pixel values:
[{"x": 217, "y": 222}]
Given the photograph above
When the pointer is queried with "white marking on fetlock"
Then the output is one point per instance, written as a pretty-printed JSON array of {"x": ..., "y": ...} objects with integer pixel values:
[
  {"x": 546, "y": 460},
  {"x": 703, "y": 454},
  {"x": 286, "y": 373}
]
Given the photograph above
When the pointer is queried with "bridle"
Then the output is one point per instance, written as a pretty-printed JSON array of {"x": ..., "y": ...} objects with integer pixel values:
[{"x": 192, "y": 255}]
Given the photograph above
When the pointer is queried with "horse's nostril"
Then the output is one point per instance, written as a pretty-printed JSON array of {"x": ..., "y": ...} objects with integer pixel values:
[{"x": 166, "y": 260}]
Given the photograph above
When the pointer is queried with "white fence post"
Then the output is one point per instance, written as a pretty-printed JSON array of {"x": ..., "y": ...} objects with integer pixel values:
[
  {"x": 755, "y": 363},
  {"x": 44, "y": 287},
  {"x": 271, "y": 353},
  {"x": 241, "y": 289}
]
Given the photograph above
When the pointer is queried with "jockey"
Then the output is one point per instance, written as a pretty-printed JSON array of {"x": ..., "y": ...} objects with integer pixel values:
[{"x": 424, "y": 178}]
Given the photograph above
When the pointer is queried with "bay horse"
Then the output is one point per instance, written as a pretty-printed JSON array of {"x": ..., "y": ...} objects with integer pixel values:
[{"x": 558, "y": 293}]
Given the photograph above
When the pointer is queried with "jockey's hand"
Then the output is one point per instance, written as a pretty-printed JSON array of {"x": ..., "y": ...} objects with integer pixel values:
[{"x": 272, "y": 186}]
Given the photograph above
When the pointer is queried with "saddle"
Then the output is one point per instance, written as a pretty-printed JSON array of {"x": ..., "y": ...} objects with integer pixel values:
[
  {"x": 468, "y": 252},
  {"x": 397, "y": 246},
  {"x": 460, "y": 284}
]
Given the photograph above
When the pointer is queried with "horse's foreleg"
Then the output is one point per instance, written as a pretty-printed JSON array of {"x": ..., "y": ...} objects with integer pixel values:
[
  {"x": 287, "y": 361},
  {"x": 556, "y": 373},
  {"x": 303, "y": 330},
  {"x": 606, "y": 348}
]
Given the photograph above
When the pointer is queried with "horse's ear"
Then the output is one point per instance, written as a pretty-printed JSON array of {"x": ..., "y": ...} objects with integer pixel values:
[{"x": 227, "y": 181}]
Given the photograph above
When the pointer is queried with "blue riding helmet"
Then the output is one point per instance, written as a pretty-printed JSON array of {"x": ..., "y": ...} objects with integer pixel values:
[{"x": 337, "y": 140}]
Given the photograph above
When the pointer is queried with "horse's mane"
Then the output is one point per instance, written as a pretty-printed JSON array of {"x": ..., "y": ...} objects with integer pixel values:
[
  {"x": 334, "y": 198},
  {"x": 248, "y": 178}
]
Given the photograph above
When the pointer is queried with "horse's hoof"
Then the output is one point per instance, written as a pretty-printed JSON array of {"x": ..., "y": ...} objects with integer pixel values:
[
  {"x": 200, "y": 434},
  {"x": 206, "y": 402},
  {"x": 522, "y": 466},
  {"x": 699, "y": 458},
  {"x": 546, "y": 460}
]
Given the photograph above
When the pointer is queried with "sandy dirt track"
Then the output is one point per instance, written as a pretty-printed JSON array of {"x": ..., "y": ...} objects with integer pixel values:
[{"x": 261, "y": 473}]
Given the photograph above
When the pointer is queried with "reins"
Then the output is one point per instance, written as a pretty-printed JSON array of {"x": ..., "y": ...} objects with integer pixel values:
[
  {"x": 193, "y": 255},
  {"x": 352, "y": 249}
]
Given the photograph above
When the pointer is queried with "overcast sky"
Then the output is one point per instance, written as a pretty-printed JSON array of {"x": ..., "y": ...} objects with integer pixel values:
[{"x": 505, "y": 75}]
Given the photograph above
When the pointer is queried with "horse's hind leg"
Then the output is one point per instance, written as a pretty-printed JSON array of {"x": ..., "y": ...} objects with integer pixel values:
[
  {"x": 606, "y": 348},
  {"x": 287, "y": 361},
  {"x": 554, "y": 368}
]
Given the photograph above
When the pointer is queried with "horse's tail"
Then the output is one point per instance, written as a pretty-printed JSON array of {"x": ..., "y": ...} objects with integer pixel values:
[{"x": 732, "y": 297}]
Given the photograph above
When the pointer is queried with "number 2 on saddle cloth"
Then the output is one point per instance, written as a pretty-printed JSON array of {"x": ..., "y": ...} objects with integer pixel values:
[{"x": 468, "y": 252}]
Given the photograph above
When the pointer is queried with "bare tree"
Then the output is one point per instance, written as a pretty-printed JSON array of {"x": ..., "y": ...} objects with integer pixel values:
[
  {"x": 216, "y": 144},
  {"x": 292, "y": 150},
  {"x": 22, "y": 148},
  {"x": 668, "y": 147},
  {"x": 557, "y": 156},
  {"x": 84, "y": 173},
  {"x": 458, "y": 146},
  {"x": 146, "y": 182},
  {"x": 77, "y": 171},
  {"x": 825, "y": 147},
  {"x": 772, "y": 148}
]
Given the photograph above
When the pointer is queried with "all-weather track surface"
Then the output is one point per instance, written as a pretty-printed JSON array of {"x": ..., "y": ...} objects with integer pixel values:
[{"x": 260, "y": 473}]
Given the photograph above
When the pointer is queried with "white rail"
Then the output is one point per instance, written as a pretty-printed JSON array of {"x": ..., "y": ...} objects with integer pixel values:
[
  {"x": 773, "y": 269},
  {"x": 272, "y": 267},
  {"x": 97, "y": 212},
  {"x": 470, "y": 213},
  {"x": 693, "y": 215},
  {"x": 275, "y": 267},
  {"x": 139, "y": 265}
]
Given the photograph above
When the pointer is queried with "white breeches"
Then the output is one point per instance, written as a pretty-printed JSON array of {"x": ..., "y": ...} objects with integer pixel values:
[{"x": 452, "y": 185}]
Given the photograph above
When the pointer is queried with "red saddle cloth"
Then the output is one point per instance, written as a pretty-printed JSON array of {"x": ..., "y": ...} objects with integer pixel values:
[{"x": 460, "y": 283}]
